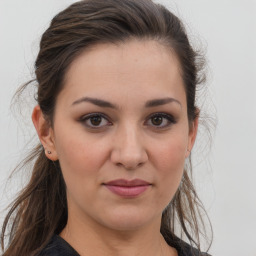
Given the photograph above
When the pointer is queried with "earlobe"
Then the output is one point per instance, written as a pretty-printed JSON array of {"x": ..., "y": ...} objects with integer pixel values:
[{"x": 45, "y": 133}]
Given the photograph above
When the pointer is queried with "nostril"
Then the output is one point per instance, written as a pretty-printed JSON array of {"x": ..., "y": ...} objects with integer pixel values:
[
  {"x": 129, "y": 167},
  {"x": 128, "y": 156}
]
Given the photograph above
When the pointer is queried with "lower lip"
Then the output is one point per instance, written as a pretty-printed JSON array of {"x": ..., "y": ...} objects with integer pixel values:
[{"x": 127, "y": 191}]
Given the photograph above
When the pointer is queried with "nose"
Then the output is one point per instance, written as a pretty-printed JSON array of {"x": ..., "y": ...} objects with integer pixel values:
[{"x": 128, "y": 149}]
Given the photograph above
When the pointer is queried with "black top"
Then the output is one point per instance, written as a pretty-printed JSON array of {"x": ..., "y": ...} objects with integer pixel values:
[{"x": 59, "y": 247}]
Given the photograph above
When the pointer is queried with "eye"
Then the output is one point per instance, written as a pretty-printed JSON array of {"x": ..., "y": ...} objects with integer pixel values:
[
  {"x": 161, "y": 120},
  {"x": 95, "y": 120}
]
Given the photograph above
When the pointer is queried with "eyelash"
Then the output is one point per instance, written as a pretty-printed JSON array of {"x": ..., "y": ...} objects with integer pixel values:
[
  {"x": 85, "y": 118},
  {"x": 169, "y": 118}
]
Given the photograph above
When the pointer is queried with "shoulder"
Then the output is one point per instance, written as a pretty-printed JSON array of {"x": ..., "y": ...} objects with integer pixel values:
[
  {"x": 190, "y": 251},
  {"x": 185, "y": 249},
  {"x": 58, "y": 247}
]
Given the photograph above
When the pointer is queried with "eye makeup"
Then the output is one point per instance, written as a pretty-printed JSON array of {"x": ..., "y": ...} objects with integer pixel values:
[{"x": 98, "y": 120}]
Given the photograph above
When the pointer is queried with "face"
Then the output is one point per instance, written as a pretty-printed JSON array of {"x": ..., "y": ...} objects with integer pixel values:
[{"x": 121, "y": 133}]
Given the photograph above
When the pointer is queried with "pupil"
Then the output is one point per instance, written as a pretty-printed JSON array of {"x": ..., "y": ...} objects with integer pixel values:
[
  {"x": 95, "y": 120},
  {"x": 157, "y": 120}
]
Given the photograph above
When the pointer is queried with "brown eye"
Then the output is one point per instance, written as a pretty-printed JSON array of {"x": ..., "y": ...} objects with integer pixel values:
[
  {"x": 160, "y": 120},
  {"x": 95, "y": 120},
  {"x": 157, "y": 120}
]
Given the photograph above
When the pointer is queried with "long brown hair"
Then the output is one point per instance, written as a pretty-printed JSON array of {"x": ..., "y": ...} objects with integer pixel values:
[{"x": 40, "y": 210}]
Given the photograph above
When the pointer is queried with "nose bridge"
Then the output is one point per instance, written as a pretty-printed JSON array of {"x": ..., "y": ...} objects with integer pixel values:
[
  {"x": 129, "y": 150},
  {"x": 131, "y": 140}
]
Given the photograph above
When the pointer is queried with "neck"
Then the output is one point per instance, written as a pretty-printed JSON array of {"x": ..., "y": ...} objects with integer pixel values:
[{"x": 95, "y": 240}]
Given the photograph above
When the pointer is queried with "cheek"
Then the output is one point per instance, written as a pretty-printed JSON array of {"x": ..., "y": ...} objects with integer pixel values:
[
  {"x": 79, "y": 157},
  {"x": 171, "y": 154},
  {"x": 80, "y": 164},
  {"x": 169, "y": 162}
]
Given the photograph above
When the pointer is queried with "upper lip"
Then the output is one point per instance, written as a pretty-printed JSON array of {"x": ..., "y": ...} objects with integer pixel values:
[{"x": 127, "y": 183}]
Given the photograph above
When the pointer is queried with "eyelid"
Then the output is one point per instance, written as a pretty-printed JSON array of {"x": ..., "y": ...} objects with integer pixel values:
[
  {"x": 170, "y": 118},
  {"x": 88, "y": 116}
]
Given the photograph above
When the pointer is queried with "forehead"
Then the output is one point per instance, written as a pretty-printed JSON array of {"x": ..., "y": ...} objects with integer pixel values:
[{"x": 145, "y": 68}]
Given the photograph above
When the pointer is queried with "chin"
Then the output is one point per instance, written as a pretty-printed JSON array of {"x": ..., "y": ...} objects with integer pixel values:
[{"x": 128, "y": 220}]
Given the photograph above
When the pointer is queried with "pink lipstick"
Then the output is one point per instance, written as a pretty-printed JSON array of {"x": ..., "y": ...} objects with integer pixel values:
[{"x": 126, "y": 188}]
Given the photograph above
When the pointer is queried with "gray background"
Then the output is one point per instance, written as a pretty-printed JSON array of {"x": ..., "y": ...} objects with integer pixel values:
[{"x": 225, "y": 175}]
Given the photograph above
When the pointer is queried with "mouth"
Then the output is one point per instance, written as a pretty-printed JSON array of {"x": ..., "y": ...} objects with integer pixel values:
[{"x": 126, "y": 188}]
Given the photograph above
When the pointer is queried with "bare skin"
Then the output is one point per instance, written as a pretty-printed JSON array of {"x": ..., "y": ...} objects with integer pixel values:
[{"x": 122, "y": 114}]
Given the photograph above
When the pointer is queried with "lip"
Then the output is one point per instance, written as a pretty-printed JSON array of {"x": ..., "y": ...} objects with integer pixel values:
[{"x": 127, "y": 188}]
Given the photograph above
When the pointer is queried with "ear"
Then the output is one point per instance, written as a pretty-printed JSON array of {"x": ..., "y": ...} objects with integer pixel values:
[
  {"x": 193, "y": 127},
  {"x": 45, "y": 133}
]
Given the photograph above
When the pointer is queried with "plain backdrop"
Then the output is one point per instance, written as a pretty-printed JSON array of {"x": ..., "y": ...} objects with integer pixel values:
[{"x": 225, "y": 174}]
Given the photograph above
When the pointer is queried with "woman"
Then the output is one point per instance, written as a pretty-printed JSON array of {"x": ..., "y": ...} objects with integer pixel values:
[{"x": 117, "y": 120}]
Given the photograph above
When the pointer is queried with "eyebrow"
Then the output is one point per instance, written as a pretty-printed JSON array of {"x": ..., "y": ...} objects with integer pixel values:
[
  {"x": 159, "y": 102},
  {"x": 106, "y": 104},
  {"x": 95, "y": 101}
]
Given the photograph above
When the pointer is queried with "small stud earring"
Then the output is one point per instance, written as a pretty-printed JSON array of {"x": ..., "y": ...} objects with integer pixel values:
[{"x": 49, "y": 152}]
